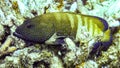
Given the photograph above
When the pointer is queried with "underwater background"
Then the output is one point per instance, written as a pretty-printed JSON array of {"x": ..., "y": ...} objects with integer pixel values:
[{"x": 16, "y": 53}]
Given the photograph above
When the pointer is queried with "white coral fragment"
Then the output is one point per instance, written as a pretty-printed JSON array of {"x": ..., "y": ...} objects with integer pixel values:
[{"x": 2, "y": 32}]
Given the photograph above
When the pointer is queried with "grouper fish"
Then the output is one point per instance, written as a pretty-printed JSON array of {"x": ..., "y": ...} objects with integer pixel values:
[{"x": 40, "y": 28}]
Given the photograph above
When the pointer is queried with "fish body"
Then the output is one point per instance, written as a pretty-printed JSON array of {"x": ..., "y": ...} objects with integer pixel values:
[{"x": 41, "y": 28}]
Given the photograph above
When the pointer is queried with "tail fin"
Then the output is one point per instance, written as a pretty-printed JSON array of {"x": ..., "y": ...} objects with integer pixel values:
[{"x": 107, "y": 36}]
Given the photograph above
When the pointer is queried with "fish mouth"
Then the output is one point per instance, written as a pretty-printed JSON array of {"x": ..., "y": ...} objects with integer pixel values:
[
  {"x": 26, "y": 39},
  {"x": 21, "y": 37},
  {"x": 18, "y": 35}
]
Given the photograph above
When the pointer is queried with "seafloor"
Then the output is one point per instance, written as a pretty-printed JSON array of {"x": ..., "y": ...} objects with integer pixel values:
[{"x": 15, "y": 53}]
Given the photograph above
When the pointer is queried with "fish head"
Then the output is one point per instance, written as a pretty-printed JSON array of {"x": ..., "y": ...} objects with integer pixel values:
[{"x": 35, "y": 30}]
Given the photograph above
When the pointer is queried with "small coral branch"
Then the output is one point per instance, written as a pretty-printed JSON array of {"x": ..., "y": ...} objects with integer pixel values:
[{"x": 5, "y": 47}]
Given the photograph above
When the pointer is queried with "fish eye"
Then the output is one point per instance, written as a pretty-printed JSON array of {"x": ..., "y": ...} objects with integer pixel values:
[{"x": 29, "y": 25}]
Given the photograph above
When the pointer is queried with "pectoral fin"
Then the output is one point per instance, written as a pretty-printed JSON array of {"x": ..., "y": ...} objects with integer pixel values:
[{"x": 55, "y": 40}]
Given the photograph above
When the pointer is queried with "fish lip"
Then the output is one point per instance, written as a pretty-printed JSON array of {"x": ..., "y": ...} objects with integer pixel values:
[
  {"x": 25, "y": 39},
  {"x": 21, "y": 37},
  {"x": 18, "y": 35}
]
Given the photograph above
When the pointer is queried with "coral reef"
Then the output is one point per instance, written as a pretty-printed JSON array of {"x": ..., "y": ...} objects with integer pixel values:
[{"x": 15, "y": 53}]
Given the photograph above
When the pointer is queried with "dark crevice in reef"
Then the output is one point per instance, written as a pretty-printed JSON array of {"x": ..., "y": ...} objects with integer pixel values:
[
  {"x": 7, "y": 33},
  {"x": 41, "y": 64}
]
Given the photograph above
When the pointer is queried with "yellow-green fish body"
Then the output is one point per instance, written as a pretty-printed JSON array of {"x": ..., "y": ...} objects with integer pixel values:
[{"x": 41, "y": 28}]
